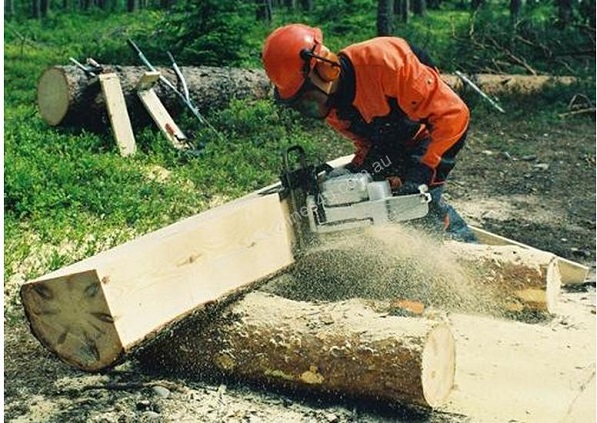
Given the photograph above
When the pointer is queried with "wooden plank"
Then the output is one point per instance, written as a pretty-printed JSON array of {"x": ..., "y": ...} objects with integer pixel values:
[
  {"x": 511, "y": 371},
  {"x": 150, "y": 282},
  {"x": 571, "y": 272},
  {"x": 158, "y": 112},
  {"x": 119, "y": 117}
]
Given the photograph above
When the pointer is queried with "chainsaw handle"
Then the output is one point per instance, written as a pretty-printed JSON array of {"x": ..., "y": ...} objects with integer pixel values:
[{"x": 300, "y": 151}]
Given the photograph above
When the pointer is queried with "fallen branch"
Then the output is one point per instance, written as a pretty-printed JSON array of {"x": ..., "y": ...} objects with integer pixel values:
[{"x": 578, "y": 112}]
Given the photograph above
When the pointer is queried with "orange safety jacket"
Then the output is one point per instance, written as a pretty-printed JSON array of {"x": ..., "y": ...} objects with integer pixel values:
[{"x": 387, "y": 96}]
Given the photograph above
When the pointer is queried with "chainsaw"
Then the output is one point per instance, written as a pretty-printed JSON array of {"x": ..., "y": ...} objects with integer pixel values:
[{"x": 322, "y": 204}]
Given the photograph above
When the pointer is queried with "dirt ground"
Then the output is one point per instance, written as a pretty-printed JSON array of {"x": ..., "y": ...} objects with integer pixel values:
[{"x": 545, "y": 199}]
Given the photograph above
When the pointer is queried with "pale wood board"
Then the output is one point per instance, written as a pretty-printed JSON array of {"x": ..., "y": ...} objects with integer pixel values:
[
  {"x": 512, "y": 371},
  {"x": 158, "y": 112},
  {"x": 153, "y": 280},
  {"x": 119, "y": 117}
]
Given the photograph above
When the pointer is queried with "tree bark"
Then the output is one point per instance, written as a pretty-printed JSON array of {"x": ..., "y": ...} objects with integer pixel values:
[
  {"x": 385, "y": 14},
  {"x": 342, "y": 348},
  {"x": 515, "y": 9},
  {"x": 263, "y": 10},
  {"x": 520, "y": 280},
  {"x": 402, "y": 9},
  {"x": 307, "y": 5},
  {"x": 564, "y": 13},
  {"x": 419, "y": 7},
  {"x": 66, "y": 96},
  {"x": 36, "y": 8}
]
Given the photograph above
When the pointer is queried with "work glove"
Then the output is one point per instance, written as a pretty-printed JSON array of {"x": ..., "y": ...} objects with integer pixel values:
[
  {"x": 418, "y": 174},
  {"x": 409, "y": 187},
  {"x": 339, "y": 171}
]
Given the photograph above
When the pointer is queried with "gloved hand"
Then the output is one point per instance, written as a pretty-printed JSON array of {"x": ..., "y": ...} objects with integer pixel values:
[
  {"x": 417, "y": 174},
  {"x": 339, "y": 171},
  {"x": 408, "y": 187}
]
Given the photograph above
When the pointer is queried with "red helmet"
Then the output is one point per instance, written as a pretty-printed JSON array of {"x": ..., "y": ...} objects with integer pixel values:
[{"x": 285, "y": 64}]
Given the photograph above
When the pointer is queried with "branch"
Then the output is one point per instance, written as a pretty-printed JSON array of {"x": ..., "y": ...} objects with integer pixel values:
[
  {"x": 578, "y": 112},
  {"x": 513, "y": 57}
]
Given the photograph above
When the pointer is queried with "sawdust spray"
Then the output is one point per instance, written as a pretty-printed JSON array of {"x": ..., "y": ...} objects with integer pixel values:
[{"x": 389, "y": 262}]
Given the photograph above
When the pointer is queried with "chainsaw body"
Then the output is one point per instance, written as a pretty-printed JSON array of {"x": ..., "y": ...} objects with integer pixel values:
[{"x": 347, "y": 201}]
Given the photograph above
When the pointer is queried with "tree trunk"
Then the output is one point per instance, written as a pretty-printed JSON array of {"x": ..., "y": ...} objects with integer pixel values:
[
  {"x": 402, "y": 8},
  {"x": 307, "y": 5},
  {"x": 515, "y": 9},
  {"x": 9, "y": 8},
  {"x": 476, "y": 4},
  {"x": 385, "y": 14},
  {"x": 564, "y": 13},
  {"x": 66, "y": 96},
  {"x": 419, "y": 7},
  {"x": 263, "y": 11},
  {"x": 132, "y": 5},
  {"x": 36, "y": 9},
  {"x": 342, "y": 348}
]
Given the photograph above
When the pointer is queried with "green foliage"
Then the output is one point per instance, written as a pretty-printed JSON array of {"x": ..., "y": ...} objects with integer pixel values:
[
  {"x": 491, "y": 41},
  {"x": 208, "y": 32}
]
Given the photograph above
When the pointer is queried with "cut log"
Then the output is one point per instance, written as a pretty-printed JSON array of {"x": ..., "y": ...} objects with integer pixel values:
[
  {"x": 521, "y": 279},
  {"x": 571, "y": 272},
  {"x": 93, "y": 312},
  {"x": 342, "y": 348},
  {"x": 66, "y": 96},
  {"x": 401, "y": 265}
]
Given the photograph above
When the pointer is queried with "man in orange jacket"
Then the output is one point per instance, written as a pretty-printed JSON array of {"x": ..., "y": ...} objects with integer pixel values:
[{"x": 407, "y": 125}]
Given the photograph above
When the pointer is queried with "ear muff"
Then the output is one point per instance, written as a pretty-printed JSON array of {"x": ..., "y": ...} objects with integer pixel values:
[{"x": 328, "y": 66}]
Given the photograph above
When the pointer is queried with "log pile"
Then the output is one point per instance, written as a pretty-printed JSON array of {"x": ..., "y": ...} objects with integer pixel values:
[{"x": 67, "y": 96}]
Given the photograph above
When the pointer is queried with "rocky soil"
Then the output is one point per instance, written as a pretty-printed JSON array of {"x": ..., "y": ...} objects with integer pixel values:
[{"x": 545, "y": 198}]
